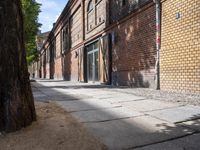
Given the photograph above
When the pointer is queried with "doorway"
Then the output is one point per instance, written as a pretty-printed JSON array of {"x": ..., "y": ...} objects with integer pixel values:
[{"x": 93, "y": 62}]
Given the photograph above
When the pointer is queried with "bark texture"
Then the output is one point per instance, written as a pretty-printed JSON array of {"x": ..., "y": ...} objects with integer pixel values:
[{"x": 16, "y": 100}]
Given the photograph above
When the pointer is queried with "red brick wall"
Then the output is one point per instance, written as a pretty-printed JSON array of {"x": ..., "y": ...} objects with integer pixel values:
[
  {"x": 70, "y": 66},
  {"x": 58, "y": 69},
  {"x": 66, "y": 65},
  {"x": 134, "y": 50},
  {"x": 44, "y": 65},
  {"x": 74, "y": 66},
  {"x": 76, "y": 27},
  {"x": 47, "y": 71},
  {"x": 133, "y": 53},
  {"x": 57, "y": 45}
]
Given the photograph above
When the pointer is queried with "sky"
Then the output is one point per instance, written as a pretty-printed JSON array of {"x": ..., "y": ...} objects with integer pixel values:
[{"x": 51, "y": 10}]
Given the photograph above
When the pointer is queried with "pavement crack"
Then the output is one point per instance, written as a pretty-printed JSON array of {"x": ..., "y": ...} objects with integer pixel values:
[
  {"x": 121, "y": 102},
  {"x": 94, "y": 109},
  {"x": 162, "y": 109},
  {"x": 108, "y": 120},
  {"x": 191, "y": 119},
  {"x": 162, "y": 141}
]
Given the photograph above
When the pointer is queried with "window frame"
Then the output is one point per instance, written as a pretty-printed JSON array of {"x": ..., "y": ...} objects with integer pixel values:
[
  {"x": 64, "y": 37},
  {"x": 123, "y": 3},
  {"x": 90, "y": 6},
  {"x": 96, "y": 19}
]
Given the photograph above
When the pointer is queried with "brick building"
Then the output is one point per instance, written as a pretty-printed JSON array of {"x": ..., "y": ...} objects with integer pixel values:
[
  {"x": 114, "y": 42},
  {"x": 34, "y": 69},
  {"x": 41, "y": 39}
]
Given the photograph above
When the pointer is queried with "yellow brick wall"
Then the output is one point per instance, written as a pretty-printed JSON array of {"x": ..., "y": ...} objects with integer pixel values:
[{"x": 180, "y": 46}]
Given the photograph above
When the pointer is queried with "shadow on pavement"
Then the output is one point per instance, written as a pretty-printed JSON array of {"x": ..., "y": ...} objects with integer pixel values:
[{"x": 112, "y": 124}]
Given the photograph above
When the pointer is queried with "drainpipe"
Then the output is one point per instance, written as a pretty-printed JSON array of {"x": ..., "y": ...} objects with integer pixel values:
[{"x": 158, "y": 42}]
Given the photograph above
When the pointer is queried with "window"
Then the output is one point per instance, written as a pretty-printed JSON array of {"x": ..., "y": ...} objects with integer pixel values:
[
  {"x": 48, "y": 54},
  {"x": 64, "y": 39},
  {"x": 54, "y": 48},
  {"x": 97, "y": 1},
  {"x": 90, "y": 15},
  {"x": 90, "y": 6},
  {"x": 95, "y": 14},
  {"x": 123, "y": 3},
  {"x": 99, "y": 13}
]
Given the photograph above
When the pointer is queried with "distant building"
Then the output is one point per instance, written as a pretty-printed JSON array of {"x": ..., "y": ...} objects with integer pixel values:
[
  {"x": 35, "y": 68},
  {"x": 40, "y": 39},
  {"x": 114, "y": 42}
]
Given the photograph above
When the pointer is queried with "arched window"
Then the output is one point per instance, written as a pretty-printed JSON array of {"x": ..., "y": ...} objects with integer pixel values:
[
  {"x": 90, "y": 6},
  {"x": 90, "y": 15}
]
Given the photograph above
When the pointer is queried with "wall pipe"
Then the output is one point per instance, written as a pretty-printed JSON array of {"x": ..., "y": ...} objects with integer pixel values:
[{"x": 158, "y": 42}]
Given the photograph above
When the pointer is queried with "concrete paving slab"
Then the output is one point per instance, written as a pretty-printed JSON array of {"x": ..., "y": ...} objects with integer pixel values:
[
  {"x": 148, "y": 105},
  {"x": 178, "y": 114},
  {"x": 99, "y": 91},
  {"x": 64, "y": 91},
  {"x": 190, "y": 142},
  {"x": 80, "y": 96},
  {"x": 83, "y": 105},
  {"x": 129, "y": 133},
  {"x": 83, "y": 92},
  {"x": 112, "y": 95},
  {"x": 64, "y": 96},
  {"x": 194, "y": 124},
  {"x": 41, "y": 97},
  {"x": 69, "y": 90},
  {"x": 122, "y": 99},
  {"x": 34, "y": 89},
  {"x": 104, "y": 96},
  {"x": 37, "y": 93},
  {"x": 50, "y": 92},
  {"x": 105, "y": 114}
]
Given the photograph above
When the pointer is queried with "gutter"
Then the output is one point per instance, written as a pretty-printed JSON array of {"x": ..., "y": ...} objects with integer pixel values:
[{"x": 158, "y": 42}]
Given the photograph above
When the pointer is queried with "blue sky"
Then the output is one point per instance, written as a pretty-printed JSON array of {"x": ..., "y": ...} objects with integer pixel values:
[{"x": 51, "y": 10}]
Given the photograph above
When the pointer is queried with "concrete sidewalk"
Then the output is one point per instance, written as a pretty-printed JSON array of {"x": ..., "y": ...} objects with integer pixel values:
[{"x": 125, "y": 121}]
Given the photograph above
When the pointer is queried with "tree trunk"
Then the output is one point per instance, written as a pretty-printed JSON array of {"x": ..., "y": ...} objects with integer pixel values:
[{"x": 16, "y": 100}]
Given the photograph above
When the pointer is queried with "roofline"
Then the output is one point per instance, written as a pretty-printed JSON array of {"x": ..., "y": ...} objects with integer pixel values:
[{"x": 64, "y": 12}]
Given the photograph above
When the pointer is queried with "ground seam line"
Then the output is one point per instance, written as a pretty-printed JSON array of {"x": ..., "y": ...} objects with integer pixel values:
[{"x": 163, "y": 141}]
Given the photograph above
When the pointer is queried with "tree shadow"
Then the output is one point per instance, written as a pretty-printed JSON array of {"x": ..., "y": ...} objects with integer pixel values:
[{"x": 134, "y": 47}]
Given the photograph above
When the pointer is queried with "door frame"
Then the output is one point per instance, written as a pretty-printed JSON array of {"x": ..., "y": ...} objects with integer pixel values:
[
  {"x": 93, "y": 51},
  {"x": 93, "y": 65}
]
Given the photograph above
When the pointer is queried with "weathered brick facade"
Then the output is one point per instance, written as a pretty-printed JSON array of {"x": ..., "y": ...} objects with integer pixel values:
[
  {"x": 114, "y": 42},
  {"x": 180, "y": 48},
  {"x": 134, "y": 50}
]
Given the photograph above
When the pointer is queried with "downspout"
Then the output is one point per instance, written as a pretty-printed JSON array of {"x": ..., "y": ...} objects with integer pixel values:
[
  {"x": 158, "y": 42},
  {"x": 110, "y": 46}
]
